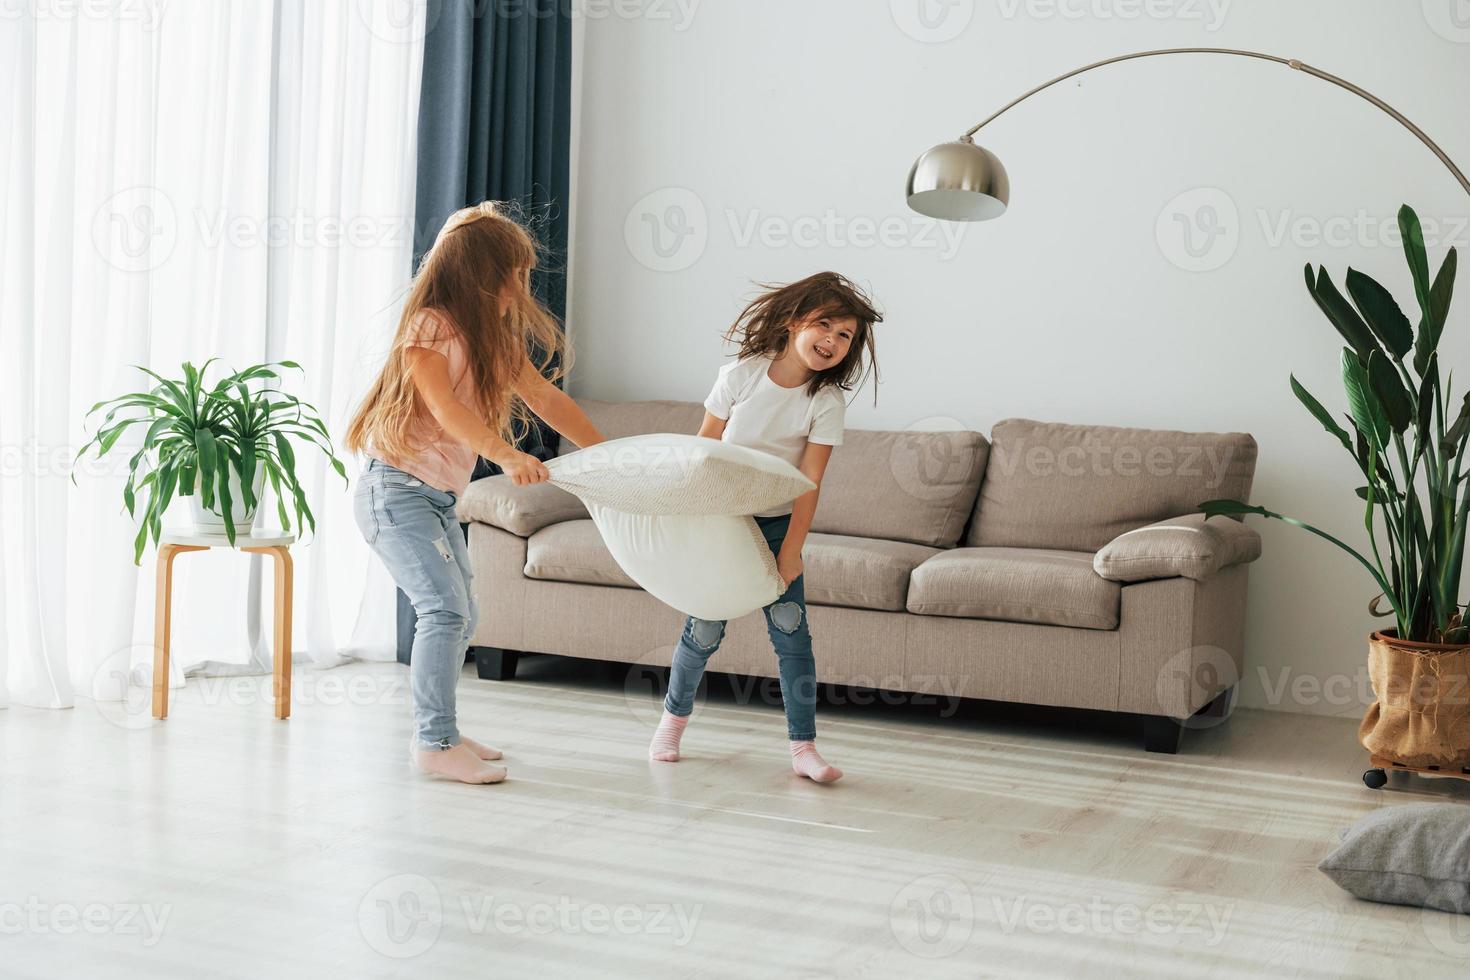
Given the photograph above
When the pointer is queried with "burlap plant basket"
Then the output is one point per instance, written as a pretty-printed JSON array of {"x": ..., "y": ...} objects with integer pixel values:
[{"x": 1422, "y": 716}]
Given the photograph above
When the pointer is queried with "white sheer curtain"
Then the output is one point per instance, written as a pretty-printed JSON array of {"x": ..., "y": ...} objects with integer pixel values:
[{"x": 185, "y": 181}]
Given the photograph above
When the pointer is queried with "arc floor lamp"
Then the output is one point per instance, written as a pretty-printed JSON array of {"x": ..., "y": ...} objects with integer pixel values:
[{"x": 960, "y": 181}]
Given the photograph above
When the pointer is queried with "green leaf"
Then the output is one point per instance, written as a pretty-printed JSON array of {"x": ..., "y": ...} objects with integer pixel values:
[
  {"x": 1382, "y": 314},
  {"x": 167, "y": 482},
  {"x": 1363, "y": 405},
  {"x": 1319, "y": 413},
  {"x": 1413, "y": 237},
  {"x": 1455, "y": 434},
  {"x": 1442, "y": 292},
  {"x": 1212, "y": 508},
  {"x": 1428, "y": 388},
  {"x": 1219, "y": 508},
  {"x": 272, "y": 471},
  {"x": 222, "y": 472},
  {"x": 288, "y": 457},
  {"x": 1439, "y": 300},
  {"x": 1398, "y": 404},
  {"x": 1341, "y": 313},
  {"x": 204, "y": 443},
  {"x": 247, "y": 473}
]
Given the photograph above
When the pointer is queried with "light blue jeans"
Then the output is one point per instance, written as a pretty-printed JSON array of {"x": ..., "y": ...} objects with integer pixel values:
[
  {"x": 790, "y": 636},
  {"x": 413, "y": 528}
]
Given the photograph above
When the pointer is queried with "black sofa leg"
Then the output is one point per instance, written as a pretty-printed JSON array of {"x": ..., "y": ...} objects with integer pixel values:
[
  {"x": 1161, "y": 733},
  {"x": 1221, "y": 707},
  {"x": 495, "y": 664}
]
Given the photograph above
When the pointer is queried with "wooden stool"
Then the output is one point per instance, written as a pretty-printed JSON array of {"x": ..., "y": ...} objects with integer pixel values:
[{"x": 275, "y": 543}]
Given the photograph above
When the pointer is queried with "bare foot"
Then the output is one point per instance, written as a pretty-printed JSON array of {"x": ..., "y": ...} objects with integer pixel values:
[
  {"x": 480, "y": 749},
  {"x": 458, "y": 763}
]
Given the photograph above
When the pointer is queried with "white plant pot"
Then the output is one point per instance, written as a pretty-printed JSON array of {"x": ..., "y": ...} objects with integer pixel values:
[{"x": 211, "y": 522}]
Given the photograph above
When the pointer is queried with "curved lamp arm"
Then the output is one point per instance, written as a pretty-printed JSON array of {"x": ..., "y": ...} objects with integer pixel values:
[{"x": 1288, "y": 62}]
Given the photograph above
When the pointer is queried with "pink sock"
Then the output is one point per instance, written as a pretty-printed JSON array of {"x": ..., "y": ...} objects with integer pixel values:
[
  {"x": 665, "y": 744},
  {"x": 807, "y": 762}
]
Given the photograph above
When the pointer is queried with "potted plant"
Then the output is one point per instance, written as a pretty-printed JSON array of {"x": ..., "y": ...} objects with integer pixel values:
[
  {"x": 1409, "y": 440},
  {"x": 217, "y": 444}
]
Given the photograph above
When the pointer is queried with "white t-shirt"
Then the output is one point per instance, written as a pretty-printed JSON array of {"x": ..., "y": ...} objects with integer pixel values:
[{"x": 763, "y": 415}]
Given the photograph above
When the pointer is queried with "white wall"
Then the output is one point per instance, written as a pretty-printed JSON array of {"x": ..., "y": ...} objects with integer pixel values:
[{"x": 1073, "y": 306}]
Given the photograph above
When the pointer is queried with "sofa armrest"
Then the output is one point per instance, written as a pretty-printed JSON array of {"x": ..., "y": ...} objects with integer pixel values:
[
  {"x": 1181, "y": 547},
  {"x": 496, "y": 500}
]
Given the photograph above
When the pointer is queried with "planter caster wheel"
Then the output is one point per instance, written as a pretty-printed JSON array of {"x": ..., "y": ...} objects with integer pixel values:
[{"x": 1375, "y": 778}]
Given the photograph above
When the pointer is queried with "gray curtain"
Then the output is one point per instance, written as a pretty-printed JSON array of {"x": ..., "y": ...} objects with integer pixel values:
[{"x": 495, "y": 124}]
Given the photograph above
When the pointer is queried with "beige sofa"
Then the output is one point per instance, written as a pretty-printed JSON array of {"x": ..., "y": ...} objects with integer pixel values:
[{"x": 1051, "y": 564}]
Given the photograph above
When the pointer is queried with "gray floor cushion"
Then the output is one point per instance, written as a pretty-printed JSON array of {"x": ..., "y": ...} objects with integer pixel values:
[{"x": 1418, "y": 854}]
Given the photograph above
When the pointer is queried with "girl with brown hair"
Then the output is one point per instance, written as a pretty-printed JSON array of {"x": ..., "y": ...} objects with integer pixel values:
[{"x": 803, "y": 347}]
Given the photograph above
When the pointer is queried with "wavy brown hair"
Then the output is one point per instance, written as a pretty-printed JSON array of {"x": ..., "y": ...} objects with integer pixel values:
[
  {"x": 764, "y": 326},
  {"x": 477, "y": 253}
]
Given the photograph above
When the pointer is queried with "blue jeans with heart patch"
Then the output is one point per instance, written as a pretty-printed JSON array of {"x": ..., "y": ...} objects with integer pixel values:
[
  {"x": 412, "y": 527},
  {"x": 790, "y": 637}
]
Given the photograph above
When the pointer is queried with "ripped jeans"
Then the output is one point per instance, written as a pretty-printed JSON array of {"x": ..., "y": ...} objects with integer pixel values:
[
  {"x": 413, "y": 528},
  {"x": 790, "y": 635}
]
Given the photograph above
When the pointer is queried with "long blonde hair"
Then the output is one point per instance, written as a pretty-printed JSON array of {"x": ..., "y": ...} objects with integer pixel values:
[{"x": 476, "y": 254}]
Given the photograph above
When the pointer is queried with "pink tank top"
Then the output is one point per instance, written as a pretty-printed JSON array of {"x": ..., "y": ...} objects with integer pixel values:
[{"x": 444, "y": 462}]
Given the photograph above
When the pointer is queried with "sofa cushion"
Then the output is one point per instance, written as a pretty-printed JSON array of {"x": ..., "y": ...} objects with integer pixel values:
[
  {"x": 572, "y": 551},
  {"x": 1020, "y": 585},
  {"x": 864, "y": 573},
  {"x": 615, "y": 420},
  {"x": 1077, "y": 487},
  {"x": 902, "y": 486},
  {"x": 520, "y": 510},
  {"x": 1181, "y": 547}
]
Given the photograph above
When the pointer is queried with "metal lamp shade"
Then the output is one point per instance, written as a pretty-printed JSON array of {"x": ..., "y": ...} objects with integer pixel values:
[{"x": 959, "y": 181}]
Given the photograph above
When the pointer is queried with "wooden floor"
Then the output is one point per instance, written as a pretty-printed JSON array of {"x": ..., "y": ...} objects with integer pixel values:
[{"x": 969, "y": 843}]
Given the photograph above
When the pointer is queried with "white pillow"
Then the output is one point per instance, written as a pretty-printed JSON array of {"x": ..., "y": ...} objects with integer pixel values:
[
  {"x": 674, "y": 512},
  {"x": 707, "y": 566},
  {"x": 670, "y": 473}
]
